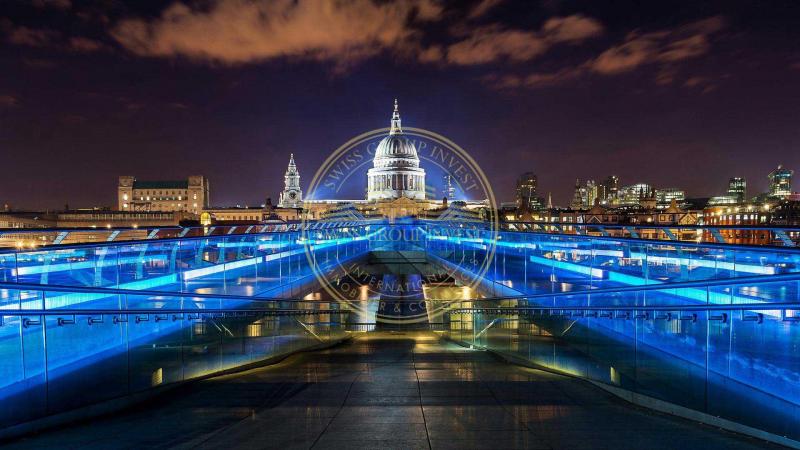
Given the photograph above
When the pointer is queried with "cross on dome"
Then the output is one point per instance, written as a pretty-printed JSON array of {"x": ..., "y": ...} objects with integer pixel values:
[{"x": 395, "y": 128}]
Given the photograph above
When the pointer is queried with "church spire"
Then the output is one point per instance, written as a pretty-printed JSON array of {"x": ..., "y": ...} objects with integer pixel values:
[
  {"x": 292, "y": 195},
  {"x": 395, "y": 128}
]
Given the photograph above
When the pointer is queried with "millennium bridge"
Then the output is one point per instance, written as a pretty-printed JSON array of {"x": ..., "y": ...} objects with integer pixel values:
[{"x": 533, "y": 336}]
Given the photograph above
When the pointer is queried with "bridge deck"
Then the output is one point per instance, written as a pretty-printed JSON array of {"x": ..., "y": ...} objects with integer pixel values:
[{"x": 390, "y": 390}]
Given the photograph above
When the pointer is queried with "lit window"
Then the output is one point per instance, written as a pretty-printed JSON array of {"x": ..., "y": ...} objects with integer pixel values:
[{"x": 125, "y": 196}]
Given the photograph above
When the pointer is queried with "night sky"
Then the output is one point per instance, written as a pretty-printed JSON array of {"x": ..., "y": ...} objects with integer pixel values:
[{"x": 678, "y": 94}]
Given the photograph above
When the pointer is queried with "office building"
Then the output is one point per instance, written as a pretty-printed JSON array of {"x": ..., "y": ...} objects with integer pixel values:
[{"x": 190, "y": 195}]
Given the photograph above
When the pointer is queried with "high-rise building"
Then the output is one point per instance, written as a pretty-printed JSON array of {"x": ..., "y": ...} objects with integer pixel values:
[
  {"x": 667, "y": 195},
  {"x": 780, "y": 182},
  {"x": 292, "y": 195},
  {"x": 608, "y": 189},
  {"x": 527, "y": 200},
  {"x": 592, "y": 193},
  {"x": 737, "y": 188},
  {"x": 578, "y": 196},
  {"x": 585, "y": 194},
  {"x": 190, "y": 195},
  {"x": 633, "y": 194}
]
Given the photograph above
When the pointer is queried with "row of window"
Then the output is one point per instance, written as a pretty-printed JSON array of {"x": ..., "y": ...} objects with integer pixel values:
[
  {"x": 396, "y": 181},
  {"x": 161, "y": 197},
  {"x": 239, "y": 218},
  {"x": 174, "y": 205}
]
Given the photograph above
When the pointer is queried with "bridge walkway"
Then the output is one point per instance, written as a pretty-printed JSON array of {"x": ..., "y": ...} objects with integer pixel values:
[{"x": 389, "y": 390}]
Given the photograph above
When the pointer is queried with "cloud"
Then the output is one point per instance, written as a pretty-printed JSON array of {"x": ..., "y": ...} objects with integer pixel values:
[
  {"x": 665, "y": 76},
  {"x": 57, "y": 4},
  {"x": 86, "y": 45},
  {"x": 533, "y": 80},
  {"x": 491, "y": 43},
  {"x": 694, "y": 81},
  {"x": 432, "y": 54},
  {"x": 685, "y": 48},
  {"x": 32, "y": 37},
  {"x": 42, "y": 37},
  {"x": 575, "y": 28},
  {"x": 661, "y": 47},
  {"x": 702, "y": 83},
  {"x": 8, "y": 101},
  {"x": 235, "y": 32},
  {"x": 482, "y": 8},
  {"x": 634, "y": 52}
]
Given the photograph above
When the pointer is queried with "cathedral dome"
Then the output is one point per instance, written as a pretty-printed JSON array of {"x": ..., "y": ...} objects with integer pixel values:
[
  {"x": 396, "y": 172},
  {"x": 396, "y": 151},
  {"x": 396, "y": 146}
]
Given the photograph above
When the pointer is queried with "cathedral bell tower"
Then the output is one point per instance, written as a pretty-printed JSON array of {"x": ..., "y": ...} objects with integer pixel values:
[{"x": 292, "y": 195}]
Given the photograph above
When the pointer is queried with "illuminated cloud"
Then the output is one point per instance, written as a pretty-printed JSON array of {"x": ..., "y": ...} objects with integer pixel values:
[
  {"x": 575, "y": 28},
  {"x": 488, "y": 44},
  {"x": 634, "y": 52},
  {"x": 491, "y": 43},
  {"x": 82, "y": 44},
  {"x": 7, "y": 101},
  {"x": 31, "y": 37},
  {"x": 39, "y": 37},
  {"x": 237, "y": 31},
  {"x": 533, "y": 80},
  {"x": 482, "y": 8},
  {"x": 661, "y": 47},
  {"x": 233, "y": 32},
  {"x": 57, "y": 4},
  {"x": 432, "y": 54}
]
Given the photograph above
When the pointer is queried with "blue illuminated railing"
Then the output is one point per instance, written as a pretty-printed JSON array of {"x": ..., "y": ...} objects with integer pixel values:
[
  {"x": 252, "y": 264},
  {"x": 81, "y": 324},
  {"x": 722, "y": 234},
  {"x": 713, "y": 328},
  {"x": 56, "y": 359},
  {"x": 532, "y": 263},
  {"x": 732, "y": 355},
  {"x": 28, "y": 238},
  {"x": 653, "y": 317}
]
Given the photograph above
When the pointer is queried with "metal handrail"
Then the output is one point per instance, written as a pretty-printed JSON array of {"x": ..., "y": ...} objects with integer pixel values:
[
  {"x": 151, "y": 240},
  {"x": 504, "y": 227},
  {"x": 690, "y": 307},
  {"x": 305, "y": 226},
  {"x": 649, "y": 287},
  {"x": 657, "y": 287},
  {"x": 204, "y": 311},
  {"x": 654, "y": 226},
  {"x": 116, "y": 291}
]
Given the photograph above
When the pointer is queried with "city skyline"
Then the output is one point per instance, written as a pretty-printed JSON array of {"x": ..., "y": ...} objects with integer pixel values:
[{"x": 671, "y": 94}]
